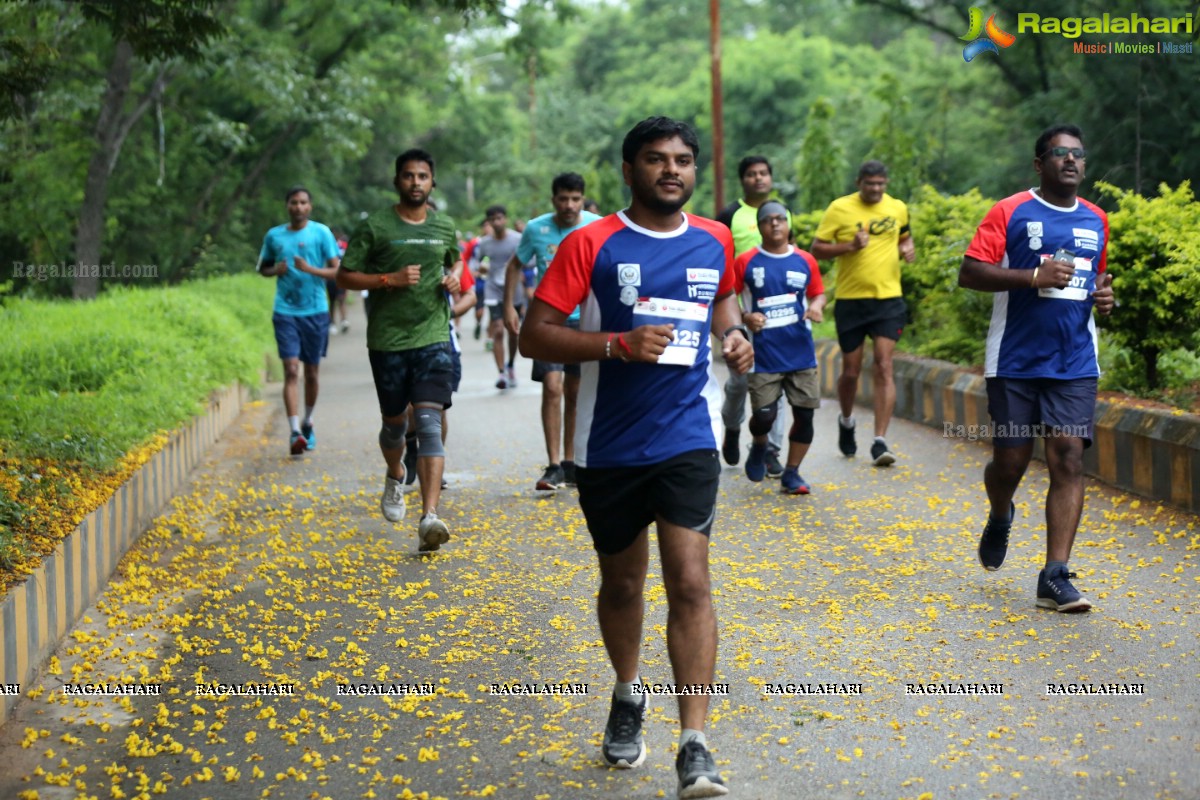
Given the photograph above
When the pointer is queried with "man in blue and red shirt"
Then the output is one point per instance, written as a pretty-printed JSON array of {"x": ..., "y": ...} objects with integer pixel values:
[
  {"x": 652, "y": 283},
  {"x": 1043, "y": 252}
]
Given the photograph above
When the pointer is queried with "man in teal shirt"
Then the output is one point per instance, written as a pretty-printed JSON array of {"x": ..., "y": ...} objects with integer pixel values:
[
  {"x": 300, "y": 255},
  {"x": 560, "y": 382},
  {"x": 407, "y": 256}
]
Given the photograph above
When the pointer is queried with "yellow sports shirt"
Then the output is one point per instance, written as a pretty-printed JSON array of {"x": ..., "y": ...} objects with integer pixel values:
[{"x": 874, "y": 271}]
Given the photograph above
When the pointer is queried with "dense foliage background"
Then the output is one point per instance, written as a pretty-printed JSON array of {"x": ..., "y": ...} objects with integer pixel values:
[{"x": 165, "y": 132}]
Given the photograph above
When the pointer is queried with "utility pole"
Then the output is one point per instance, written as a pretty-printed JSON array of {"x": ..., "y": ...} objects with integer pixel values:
[{"x": 718, "y": 125}]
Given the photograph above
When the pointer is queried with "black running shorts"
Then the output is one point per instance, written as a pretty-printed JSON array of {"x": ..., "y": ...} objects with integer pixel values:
[
  {"x": 618, "y": 502},
  {"x": 856, "y": 319}
]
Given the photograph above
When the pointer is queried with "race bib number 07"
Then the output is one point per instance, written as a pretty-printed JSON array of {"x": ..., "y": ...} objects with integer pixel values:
[{"x": 690, "y": 321}]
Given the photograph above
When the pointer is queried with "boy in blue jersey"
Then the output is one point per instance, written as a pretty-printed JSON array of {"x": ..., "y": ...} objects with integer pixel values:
[
  {"x": 1044, "y": 253},
  {"x": 560, "y": 382},
  {"x": 653, "y": 283},
  {"x": 741, "y": 217},
  {"x": 782, "y": 295},
  {"x": 301, "y": 255}
]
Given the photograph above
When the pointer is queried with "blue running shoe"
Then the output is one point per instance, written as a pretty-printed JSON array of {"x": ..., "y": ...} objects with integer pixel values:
[
  {"x": 1055, "y": 591},
  {"x": 756, "y": 463},
  {"x": 792, "y": 482},
  {"x": 309, "y": 435}
]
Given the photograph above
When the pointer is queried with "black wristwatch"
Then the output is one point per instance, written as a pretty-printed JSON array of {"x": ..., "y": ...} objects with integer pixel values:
[{"x": 745, "y": 332}]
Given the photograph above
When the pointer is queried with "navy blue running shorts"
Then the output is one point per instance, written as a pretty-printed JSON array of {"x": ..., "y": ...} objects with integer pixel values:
[
  {"x": 618, "y": 502},
  {"x": 1023, "y": 409},
  {"x": 306, "y": 337}
]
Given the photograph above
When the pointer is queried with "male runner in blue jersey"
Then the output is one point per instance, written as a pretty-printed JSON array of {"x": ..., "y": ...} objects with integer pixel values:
[
  {"x": 1044, "y": 253},
  {"x": 653, "y": 283}
]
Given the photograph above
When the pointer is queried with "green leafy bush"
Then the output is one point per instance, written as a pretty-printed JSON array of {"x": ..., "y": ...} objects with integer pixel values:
[
  {"x": 948, "y": 323},
  {"x": 85, "y": 382},
  {"x": 1154, "y": 254}
]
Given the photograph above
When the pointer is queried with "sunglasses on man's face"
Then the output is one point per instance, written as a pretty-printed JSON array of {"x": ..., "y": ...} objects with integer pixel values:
[{"x": 1077, "y": 153}]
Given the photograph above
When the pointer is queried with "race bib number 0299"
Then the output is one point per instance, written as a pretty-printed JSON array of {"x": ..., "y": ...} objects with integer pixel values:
[{"x": 690, "y": 321}]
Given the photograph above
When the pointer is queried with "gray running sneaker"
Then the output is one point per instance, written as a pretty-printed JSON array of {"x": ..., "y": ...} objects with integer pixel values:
[
  {"x": 698, "y": 776},
  {"x": 623, "y": 746},
  {"x": 392, "y": 503},
  {"x": 433, "y": 533}
]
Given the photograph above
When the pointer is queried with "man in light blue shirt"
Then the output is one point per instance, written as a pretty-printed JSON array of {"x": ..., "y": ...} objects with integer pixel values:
[
  {"x": 560, "y": 382},
  {"x": 300, "y": 255}
]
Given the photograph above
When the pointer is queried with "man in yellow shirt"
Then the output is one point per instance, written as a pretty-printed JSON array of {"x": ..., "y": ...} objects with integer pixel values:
[{"x": 867, "y": 233}]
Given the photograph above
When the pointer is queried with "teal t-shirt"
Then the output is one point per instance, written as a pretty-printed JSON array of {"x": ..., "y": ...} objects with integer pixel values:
[
  {"x": 414, "y": 316},
  {"x": 541, "y": 239},
  {"x": 299, "y": 294}
]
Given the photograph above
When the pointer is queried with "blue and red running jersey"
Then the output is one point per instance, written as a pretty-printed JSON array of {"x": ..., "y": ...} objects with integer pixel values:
[
  {"x": 779, "y": 286},
  {"x": 623, "y": 276},
  {"x": 1042, "y": 333}
]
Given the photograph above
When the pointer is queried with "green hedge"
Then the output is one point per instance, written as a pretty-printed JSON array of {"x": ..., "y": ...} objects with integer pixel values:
[{"x": 86, "y": 382}]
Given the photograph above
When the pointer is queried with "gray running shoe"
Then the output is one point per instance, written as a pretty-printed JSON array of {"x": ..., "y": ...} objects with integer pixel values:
[
  {"x": 433, "y": 533},
  {"x": 392, "y": 503},
  {"x": 623, "y": 747},
  {"x": 698, "y": 776}
]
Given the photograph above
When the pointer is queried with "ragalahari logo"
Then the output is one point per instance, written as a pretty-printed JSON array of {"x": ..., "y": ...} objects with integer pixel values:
[{"x": 984, "y": 38}]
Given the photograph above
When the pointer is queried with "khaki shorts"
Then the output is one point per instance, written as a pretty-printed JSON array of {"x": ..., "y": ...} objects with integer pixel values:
[{"x": 802, "y": 388}]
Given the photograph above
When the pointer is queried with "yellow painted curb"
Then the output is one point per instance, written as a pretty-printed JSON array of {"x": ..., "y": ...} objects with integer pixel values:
[
  {"x": 35, "y": 614},
  {"x": 1151, "y": 452}
]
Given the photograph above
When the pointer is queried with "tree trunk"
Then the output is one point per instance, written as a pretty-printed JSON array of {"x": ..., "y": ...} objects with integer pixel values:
[
  {"x": 1150, "y": 357},
  {"x": 112, "y": 129},
  {"x": 90, "y": 234}
]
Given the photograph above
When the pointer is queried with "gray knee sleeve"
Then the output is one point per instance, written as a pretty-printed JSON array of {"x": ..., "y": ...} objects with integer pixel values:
[
  {"x": 429, "y": 432},
  {"x": 391, "y": 437}
]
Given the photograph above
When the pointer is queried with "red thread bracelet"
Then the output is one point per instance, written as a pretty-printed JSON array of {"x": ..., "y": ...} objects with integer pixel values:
[{"x": 621, "y": 341}]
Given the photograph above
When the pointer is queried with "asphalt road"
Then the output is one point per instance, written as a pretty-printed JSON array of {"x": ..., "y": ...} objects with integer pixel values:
[{"x": 272, "y": 571}]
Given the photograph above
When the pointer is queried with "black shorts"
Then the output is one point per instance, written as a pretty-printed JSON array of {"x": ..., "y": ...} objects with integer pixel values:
[
  {"x": 496, "y": 312},
  {"x": 1023, "y": 409},
  {"x": 540, "y": 368},
  {"x": 618, "y": 502},
  {"x": 421, "y": 375},
  {"x": 543, "y": 368},
  {"x": 856, "y": 319}
]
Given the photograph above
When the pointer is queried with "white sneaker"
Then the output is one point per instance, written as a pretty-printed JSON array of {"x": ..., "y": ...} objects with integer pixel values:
[
  {"x": 392, "y": 503},
  {"x": 511, "y": 373},
  {"x": 333, "y": 330},
  {"x": 433, "y": 532}
]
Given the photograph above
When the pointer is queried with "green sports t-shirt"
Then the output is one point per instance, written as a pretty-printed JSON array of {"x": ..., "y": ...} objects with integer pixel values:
[{"x": 416, "y": 316}]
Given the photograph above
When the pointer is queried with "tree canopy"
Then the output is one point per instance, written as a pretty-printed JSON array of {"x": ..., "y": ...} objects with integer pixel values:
[{"x": 221, "y": 107}]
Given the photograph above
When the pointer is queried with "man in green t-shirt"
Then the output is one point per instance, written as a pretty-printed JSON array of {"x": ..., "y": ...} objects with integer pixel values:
[{"x": 407, "y": 256}]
